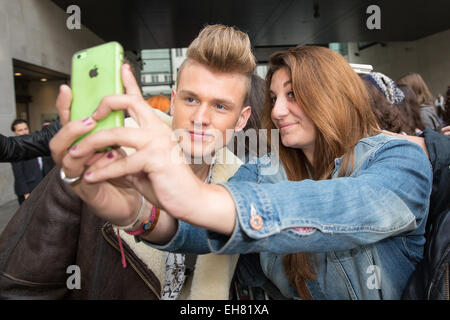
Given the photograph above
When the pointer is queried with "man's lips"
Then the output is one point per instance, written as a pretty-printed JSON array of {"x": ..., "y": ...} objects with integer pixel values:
[{"x": 199, "y": 135}]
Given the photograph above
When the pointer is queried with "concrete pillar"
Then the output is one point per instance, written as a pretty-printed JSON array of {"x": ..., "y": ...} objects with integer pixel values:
[{"x": 33, "y": 31}]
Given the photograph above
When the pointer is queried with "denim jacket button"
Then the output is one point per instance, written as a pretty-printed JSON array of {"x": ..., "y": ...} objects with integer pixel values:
[{"x": 256, "y": 222}]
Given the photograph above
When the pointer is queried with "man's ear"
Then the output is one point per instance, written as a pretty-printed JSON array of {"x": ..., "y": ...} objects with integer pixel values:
[
  {"x": 172, "y": 101},
  {"x": 243, "y": 118}
]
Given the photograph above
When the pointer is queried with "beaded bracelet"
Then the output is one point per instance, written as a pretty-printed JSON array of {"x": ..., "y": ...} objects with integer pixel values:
[{"x": 147, "y": 226}]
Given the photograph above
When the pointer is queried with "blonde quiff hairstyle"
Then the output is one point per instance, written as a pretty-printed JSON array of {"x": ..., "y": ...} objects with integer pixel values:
[{"x": 222, "y": 49}]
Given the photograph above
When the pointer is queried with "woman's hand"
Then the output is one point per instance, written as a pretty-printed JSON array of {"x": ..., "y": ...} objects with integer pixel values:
[
  {"x": 417, "y": 140},
  {"x": 446, "y": 130},
  {"x": 157, "y": 169},
  {"x": 115, "y": 200}
]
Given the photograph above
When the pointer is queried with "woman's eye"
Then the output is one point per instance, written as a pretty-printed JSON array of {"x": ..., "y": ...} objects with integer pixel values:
[
  {"x": 272, "y": 100},
  {"x": 291, "y": 94}
]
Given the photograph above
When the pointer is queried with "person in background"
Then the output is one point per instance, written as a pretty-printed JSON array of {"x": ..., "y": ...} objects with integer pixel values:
[
  {"x": 428, "y": 113},
  {"x": 410, "y": 109},
  {"x": 47, "y": 161},
  {"x": 28, "y": 146},
  {"x": 28, "y": 173},
  {"x": 240, "y": 141},
  {"x": 446, "y": 116},
  {"x": 439, "y": 103},
  {"x": 385, "y": 97}
]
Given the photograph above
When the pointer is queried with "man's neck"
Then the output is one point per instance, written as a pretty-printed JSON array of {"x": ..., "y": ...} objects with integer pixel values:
[{"x": 201, "y": 170}]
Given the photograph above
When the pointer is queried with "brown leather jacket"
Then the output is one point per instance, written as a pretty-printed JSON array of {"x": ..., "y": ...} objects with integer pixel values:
[{"x": 53, "y": 230}]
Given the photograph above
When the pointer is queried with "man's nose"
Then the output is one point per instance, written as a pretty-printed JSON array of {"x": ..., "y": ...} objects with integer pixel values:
[{"x": 201, "y": 116}]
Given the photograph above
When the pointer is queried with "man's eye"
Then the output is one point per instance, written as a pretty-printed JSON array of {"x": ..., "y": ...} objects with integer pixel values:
[
  {"x": 190, "y": 100},
  {"x": 220, "y": 107}
]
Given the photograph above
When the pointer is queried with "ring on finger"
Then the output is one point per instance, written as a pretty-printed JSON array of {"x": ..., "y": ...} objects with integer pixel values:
[{"x": 66, "y": 179}]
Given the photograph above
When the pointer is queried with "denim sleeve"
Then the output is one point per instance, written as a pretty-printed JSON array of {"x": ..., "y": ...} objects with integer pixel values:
[
  {"x": 388, "y": 197},
  {"x": 192, "y": 239},
  {"x": 187, "y": 239}
]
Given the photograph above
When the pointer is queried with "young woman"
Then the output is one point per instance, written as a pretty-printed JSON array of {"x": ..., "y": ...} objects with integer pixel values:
[
  {"x": 428, "y": 113},
  {"x": 348, "y": 224}
]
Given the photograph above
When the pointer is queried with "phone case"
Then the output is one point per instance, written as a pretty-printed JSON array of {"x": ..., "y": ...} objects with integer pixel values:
[{"x": 96, "y": 74}]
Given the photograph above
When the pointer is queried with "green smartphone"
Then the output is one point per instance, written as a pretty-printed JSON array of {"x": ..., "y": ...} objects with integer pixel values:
[{"x": 96, "y": 74}]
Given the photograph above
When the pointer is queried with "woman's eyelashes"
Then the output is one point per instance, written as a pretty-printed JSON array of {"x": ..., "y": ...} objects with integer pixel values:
[
  {"x": 290, "y": 95},
  {"x": 273, "y": 99}
]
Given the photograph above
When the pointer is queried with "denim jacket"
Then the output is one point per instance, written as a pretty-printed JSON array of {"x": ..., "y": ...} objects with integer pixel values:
[{"x": 367, "y": 229}]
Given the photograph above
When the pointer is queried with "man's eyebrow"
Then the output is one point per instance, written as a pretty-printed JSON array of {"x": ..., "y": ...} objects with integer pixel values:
[
  {"x": 185, "y": 92},
  {"x": 226, "y": 102}
]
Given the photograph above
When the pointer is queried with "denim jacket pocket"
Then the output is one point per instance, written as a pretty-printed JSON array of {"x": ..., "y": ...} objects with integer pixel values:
[{"x": 355, "y": 270}]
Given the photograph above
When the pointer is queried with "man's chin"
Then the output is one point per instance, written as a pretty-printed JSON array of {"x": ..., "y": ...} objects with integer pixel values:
[{"x": 199, "y": 157}]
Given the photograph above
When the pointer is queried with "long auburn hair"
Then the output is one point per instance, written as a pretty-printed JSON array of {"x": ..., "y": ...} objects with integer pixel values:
[
  {"x": 333, "y": 96},
  {"x": 420, "y": 88}
]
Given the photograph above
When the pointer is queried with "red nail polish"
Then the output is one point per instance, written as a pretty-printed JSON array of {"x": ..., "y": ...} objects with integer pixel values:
[
  {"x": 110, "y": 155},
  {"x": 73, "y": 148},
  {"x": 88, "y": 173},
  {"x": 88, "y": 121}
]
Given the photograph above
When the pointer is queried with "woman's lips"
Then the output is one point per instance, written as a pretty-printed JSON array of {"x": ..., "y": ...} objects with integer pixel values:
[{"x": 287, "y": 126}]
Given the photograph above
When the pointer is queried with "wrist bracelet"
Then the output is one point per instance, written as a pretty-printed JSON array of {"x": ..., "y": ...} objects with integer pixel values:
[
  {"x": 148, "y": 225},
  {"x": 138, "y": 218}
]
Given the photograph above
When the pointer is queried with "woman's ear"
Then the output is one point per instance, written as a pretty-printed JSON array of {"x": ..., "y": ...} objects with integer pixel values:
[{"x": 243, "y": 118}]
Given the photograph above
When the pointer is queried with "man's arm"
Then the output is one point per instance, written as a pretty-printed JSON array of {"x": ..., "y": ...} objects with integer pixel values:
[{"x": 28, "y": 146}]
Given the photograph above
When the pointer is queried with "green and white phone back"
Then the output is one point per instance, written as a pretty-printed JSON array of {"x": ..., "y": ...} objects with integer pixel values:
[{"x": 96, "y": 74}]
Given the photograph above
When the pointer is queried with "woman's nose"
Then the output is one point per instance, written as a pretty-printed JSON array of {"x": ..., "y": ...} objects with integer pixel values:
[{"x": 280, "y": 109}]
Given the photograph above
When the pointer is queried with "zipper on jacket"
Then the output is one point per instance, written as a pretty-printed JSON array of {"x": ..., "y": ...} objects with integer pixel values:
[
  {"x": 446, "y": 283},
  {"x": 133, "y": 266}
]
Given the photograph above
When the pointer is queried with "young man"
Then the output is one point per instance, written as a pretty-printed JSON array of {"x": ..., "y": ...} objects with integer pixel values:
[
  {"x": 27, "y": 174},
  {"x": 210, "y": 97}
]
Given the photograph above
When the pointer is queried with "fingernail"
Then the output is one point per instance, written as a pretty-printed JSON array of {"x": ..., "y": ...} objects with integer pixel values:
[
  {"x": 110, "y": 155},
  {"x": 94, "y": 113},
  {"x": 73, "y": 148},
  {"x": 88, "y": 121},
  {"x": 87, "y": 174}
]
